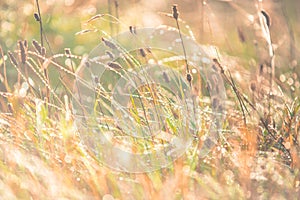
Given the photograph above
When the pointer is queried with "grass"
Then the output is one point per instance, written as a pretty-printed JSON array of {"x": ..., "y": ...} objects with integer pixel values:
[{"x": 58, "y": 111}]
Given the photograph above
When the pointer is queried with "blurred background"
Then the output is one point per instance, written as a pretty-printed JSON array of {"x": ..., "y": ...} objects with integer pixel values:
[
  {"x": 213, "y": 21},
  {"x": 231, "y": 25}
]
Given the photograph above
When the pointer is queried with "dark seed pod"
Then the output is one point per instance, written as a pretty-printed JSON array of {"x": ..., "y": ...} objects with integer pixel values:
[
  {"x": 109, "y": 43},
  {"x": 241, "y": 35},
  {"x": 142, "y": 52},
  {"x": 37, "y": 46},
  {"x": 267, "y": 17},
  {"x": 87, "y": 64},
  {"x": 68, "y": 52},
  {"x": 216, "y": 61},
  {"x": 114, "y": 65},
  {"x": 110, "y": 54},
  {"x": 96, "y": 79},
  {"x": 37, "y": 17},
  {"x": 23, "y": 56},
  {"x": 132, "y": 29},
  {"x": 10, "y": 108},
  {"x": 189, "y": 77},
  {"x": 175, "y": 12},
  {"x": 12, "y": 58},
  {"x": 215, "y": 102},
  {"x": 253, "y": 86},
  {"x": 43, "y": 53},
  {"x": 25, "y": 44},
  {"x": 261, "y": 69}
]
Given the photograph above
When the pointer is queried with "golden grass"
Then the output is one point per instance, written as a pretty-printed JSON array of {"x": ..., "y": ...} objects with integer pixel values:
[{"x": 257, "y": 155}]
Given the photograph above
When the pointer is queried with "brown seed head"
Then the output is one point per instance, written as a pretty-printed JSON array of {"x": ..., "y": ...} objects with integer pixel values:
[
  {"x": 267, "y": 17},
  {"x": 253, "y": 86},
  {"x": 37, "y": 17},
  {"x": 189, "y": 77},
  {"x": 216, "y": 61},
  {"x": 142, "y": 52},
  {"x": 132, "y": 29},
  {"x": 68, "y": 52},
  {"x": 114, "y": 65},
  {"x": 96, "y": 79},
  {"x": 23, "y": 56},
  {"x": 175, "y": 12},
  {"x": 87, "y": 64},
  {"x": 43, "y": 51},
  {"x": 148, "y": 49},
  {"x": 110, "y": 54},
  {"x": 25, "y": 44},
  {"x": 95, "y": 17},
  {"x": 12, "y": 58},
  {"x": 10, "y": 108},
  {"x": 215, "y": 102},
  {"x": 109, "y": 43},
  {"x": 37, "y": 46},
  {"x": 241, "y": 35}
]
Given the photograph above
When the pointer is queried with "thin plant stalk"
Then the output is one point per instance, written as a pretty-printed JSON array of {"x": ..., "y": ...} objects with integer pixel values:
[
  {"x": 4, "y": 71},
  {"x": 39, "y": 19},
  {"x": 40, "y": 22},
  {"x": 117, "y": 15}
]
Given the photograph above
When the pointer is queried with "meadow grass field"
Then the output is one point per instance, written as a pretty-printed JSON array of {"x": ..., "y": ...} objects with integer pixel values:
[{"x": 145, "y": 99}]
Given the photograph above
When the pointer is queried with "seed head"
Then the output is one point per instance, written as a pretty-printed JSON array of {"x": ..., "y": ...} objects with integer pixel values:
[
  {"x": 189, "y": 77},
  {"x": 95, "y": 17},
  {"x": 114, "y": 65},
  {"x": 23, "y": 56},
  {"x": 12, "y": 58},
  {"x": 37, "y": 46},
  {"x": 142, "y": 52},
  {"x": 267, "y": 17},
  {"x": 215, "y": 102},
  {"x": 96, "y": 79},
  {"x": 10, "y": 108},
  {"x": 241, "y": 35},
  {"x": 132, "y": 29},
  {"x": 110, "y": 54},
  {"x": 253, "y": 86},
  {"x": 37, "y": 17},
  {"x": 43, "y": 51},
  {"x": 109, "y": 43},
  {"x": 68, "y": 52},
  {"x": 175, "y": 12},
  {"x": 25, "y": 43}
]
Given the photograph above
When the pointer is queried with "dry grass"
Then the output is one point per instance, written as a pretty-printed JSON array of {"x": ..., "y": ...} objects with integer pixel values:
[{"x": 43, "y": 156}]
